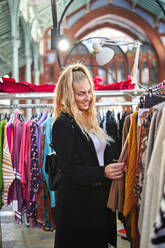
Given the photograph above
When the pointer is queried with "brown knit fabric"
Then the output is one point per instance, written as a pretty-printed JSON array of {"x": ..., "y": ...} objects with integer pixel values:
[{"x": 115, "y": 199}]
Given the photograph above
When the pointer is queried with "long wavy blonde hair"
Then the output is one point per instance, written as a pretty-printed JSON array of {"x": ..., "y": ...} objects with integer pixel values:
[{"x": 65, "y": 100}]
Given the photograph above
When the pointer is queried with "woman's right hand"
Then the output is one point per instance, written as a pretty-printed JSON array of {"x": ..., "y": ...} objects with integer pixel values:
[{"x": 114, "y": 170}]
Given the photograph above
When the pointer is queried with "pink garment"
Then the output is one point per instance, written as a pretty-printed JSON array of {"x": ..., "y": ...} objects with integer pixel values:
[
  {"x": 11, "y": 86},
  {"x": 123, "y": 85},
  {"x": 43, "y": 87},
  {"x": 12, "y": 138},
  {"x": 9, "y": 130},
  {"x": 11, "y": 149},
  {"x": 28, "y": 156},
  {"x": 23, "y": 160}
]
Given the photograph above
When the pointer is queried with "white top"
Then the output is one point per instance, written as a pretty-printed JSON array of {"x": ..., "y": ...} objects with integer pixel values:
[{"x": 99, "y": 147}]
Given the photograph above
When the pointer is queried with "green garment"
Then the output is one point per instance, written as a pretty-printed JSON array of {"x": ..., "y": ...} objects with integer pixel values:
[{"x": 2, "y": 126}]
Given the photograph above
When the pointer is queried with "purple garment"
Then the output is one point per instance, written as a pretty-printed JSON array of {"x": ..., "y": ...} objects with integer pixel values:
[
  {"x": 16, "y": 196},
  {"x": 34, "y": 170},
  {"x": 38, "y": 135},
  {"x": 35, "y": 149}
]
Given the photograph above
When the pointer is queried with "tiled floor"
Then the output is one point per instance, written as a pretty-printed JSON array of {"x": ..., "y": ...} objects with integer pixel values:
[{"x": 20, "y": 236}]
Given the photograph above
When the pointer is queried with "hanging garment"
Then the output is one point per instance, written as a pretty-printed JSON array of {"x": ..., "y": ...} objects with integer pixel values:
[
  {"x": 158, "y": 236},
  {"x": 153, "y": 186},
  {"x": 24, "y": 160},
  {"x": 129, "y": 201},
  {"x": 2, "y": 127},
  {"x": 45, "y": 215},
  {"x": 115, "y": 200},
  {"x": 146, "y": 151},
  {"x": 126, "y": 127},
  {"x": 17, "y": 198},
  {"x": 7, "y": 169},
  {"x": 145, "y": 120},
  {"x": 111, "y": 130},
  {"x": 48, "y": 150},
  {"x": 34, "y": 172},
  {"x": 153, "y": 100}
]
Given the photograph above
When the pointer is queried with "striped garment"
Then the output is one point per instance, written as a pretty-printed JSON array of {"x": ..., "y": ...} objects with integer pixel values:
[{"x": 7, "y": 169}]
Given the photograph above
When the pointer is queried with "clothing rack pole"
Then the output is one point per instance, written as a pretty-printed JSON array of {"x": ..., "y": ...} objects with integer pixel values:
[
  {"x": 97, "y": 104},
  {"x": 17, "y": 106},
  {"x": 158, "y": 87},
  {"x": 48, "y": 95},
  {"x": 116, "y": 104}
]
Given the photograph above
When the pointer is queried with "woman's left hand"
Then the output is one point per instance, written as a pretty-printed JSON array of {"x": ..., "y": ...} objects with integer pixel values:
[{"x": 115, "y": 170}]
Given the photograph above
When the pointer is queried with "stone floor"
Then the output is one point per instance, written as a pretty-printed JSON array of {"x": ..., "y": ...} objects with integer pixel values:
[{"x": 13, "y": 235}]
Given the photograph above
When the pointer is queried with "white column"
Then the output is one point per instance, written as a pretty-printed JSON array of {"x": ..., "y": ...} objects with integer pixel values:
[
  {"x": 36, "y": 67},
  {"x": 28, "y": 59},
  {"x": 14, "y": 13}
]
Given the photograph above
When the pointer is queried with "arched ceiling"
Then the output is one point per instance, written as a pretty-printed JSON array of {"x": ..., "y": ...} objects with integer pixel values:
[{"x": 38, "y": 14}]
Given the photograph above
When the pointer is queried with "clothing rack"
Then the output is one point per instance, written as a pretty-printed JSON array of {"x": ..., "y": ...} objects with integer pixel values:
[
  {"x": 98, "y": 104},
  {"x": 50, "y": 95},
  {"x": 158, "y": 87}
]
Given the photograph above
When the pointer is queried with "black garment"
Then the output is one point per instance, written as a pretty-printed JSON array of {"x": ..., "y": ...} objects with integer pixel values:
[
  {"x": 111, "y": 128},
  {"x": 121, "y": 124},
  {"x": 152, "y": 100},
  {"x": 82, "y": 218}
]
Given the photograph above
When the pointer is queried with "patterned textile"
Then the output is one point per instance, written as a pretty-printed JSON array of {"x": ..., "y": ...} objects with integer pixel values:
[
  {"x": 129, "y": 201},
  {"x": 7, "y": 169},
  {"x": 158, "y": 238},
  {"x": 146, "y": 121},
  {"x": 34, "y": 172},
  {"x": 143, "y": 139},
  {"x": 44, "y": 213}
]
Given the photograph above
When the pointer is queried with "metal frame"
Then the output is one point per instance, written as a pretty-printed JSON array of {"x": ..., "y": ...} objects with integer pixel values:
[
  {"x": 48, "y": 95},
  {"x": 17, "y": 106}
]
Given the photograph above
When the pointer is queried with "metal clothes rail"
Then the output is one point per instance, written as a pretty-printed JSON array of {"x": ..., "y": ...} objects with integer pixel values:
[
  {"x": 98, "y": 104},
  {"x": 47, "y": 95}
]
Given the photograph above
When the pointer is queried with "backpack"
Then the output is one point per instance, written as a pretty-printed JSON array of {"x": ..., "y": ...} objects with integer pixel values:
[
  {"x": 52, "y": 167},
  {"x": 53, "y": 171}
]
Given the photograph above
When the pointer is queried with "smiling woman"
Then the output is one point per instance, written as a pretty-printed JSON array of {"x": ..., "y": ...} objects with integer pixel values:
[
  {"x": 84, "y": 155},
  {"x": 83, "y": 94}
]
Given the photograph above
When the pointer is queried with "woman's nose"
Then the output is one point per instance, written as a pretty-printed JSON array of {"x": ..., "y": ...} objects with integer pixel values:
[{"x": 88, "y": 96}]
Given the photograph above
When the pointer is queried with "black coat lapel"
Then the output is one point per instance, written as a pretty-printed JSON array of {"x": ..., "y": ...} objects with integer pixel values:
[{"x": 86, "y": 138}]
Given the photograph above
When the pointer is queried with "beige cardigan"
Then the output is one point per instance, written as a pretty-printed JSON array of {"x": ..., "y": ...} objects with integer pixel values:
[{"x": 154, "y": 179}]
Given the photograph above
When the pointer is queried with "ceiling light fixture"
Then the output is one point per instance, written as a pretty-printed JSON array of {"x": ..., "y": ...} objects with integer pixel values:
[
  {"x": 104, "y": 54},
  {"x": 63, "y": 44}
]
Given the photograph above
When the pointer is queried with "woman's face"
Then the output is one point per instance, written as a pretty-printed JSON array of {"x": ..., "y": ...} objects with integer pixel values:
[{"x": 83, "y": 94}]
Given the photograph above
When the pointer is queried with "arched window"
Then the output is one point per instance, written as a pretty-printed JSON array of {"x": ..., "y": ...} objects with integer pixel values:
[
  {"x": 111, "y": 74},
  {"x": 121, "y": 72},
  {"x": 154, "y": 73},
  {"x": 145, "y": 74},
  {"x": 78, "y": 53},
  {"x": 102, "y": 72}
]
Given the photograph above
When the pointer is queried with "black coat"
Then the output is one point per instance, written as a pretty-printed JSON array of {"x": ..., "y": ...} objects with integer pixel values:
[{"x": 82, "y": 218}]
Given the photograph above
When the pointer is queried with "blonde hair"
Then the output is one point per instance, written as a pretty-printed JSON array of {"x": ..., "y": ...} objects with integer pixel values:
[{"x": 65, "y": 100}]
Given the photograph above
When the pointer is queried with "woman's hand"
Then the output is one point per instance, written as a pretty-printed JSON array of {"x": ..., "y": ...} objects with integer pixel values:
[{"x": 115, "y": 170}]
